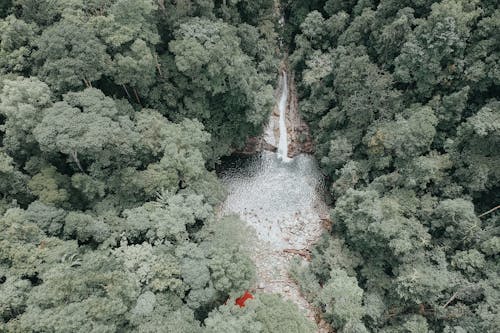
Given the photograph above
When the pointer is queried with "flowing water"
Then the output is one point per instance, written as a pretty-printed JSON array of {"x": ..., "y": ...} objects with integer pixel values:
[
  {"x": 283, "y": 142},
  {"x": 281, "y": 198}
]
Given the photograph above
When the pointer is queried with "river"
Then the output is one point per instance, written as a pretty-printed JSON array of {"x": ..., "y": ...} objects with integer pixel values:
[{"x": 281, "y": 198}]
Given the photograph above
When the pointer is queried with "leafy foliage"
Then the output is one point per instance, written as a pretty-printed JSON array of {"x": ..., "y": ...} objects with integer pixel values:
[
  {"x": 264, "y": 314},
  {"x": 403, "y": 105},
  {"x": 112, "y": 115}
]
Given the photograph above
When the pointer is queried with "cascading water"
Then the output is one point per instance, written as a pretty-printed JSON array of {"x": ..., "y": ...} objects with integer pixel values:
[
  {"x": 282, "y": 106},
  {"x": 282, "y": 202}
]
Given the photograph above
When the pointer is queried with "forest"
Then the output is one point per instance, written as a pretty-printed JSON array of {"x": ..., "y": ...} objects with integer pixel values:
[
  {"x": 115, "y": 113},
  {"x": 403, "y": 100}
]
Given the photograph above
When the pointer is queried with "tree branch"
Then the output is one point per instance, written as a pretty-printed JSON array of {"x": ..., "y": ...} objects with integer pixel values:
[
  {"x": 158, "y": 65},
  {"x": 490, "y": 211},
  {"x": 75, "y": 158},
  {"x": 452, "y": 298},
  {"x": 126, "y": 91},
  {"x": 137, "y": 97}
]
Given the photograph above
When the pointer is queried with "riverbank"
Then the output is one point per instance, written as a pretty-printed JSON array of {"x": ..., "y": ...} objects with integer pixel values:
[
  {"x": 281, "y": 199},
  {"x": 283, "y": 203}
]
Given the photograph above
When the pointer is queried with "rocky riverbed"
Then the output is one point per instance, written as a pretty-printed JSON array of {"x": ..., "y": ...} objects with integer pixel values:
[{"x": 281, "y": 199}]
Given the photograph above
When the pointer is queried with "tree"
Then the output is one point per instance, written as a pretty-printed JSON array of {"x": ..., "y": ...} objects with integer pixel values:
[
  {"x": 50, "y": 186},
  {"x": 341, "y": 298},
  {"x": 230, "y": 97},
  {"x": 472, "y": 149},
  {"x": 13, "y": 183},
  {"x": 22, "y": 103},
  {"x": 15, "y": 44},
  {"x": 62, "y": 302},
  {"x": 135, "y": 67},
  {"x": 86, "y": 135},
  {"x": 431, "y": 55},
  {"x": 399, "y": 96},
  {"x": 69, "y": 55},
  {"x": 127, "y": 22},
  {"x": 265, "y": 314}
]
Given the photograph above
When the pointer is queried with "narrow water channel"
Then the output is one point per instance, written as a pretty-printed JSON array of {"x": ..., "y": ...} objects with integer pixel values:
[
  {"x": 282, "y": 107},
  {"x": 281, "y": 198}
]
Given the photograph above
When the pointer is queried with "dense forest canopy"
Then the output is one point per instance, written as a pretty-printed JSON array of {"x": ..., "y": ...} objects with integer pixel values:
[
  {"x": 403, "y": 99},
  {"x": 112, "y": 115}
]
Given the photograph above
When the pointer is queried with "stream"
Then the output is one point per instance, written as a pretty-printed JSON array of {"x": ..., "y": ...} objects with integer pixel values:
[{"x": 281, "y": 198}]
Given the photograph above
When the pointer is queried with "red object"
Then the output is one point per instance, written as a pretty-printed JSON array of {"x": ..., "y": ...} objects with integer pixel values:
[{"x": 240, "y": 301}]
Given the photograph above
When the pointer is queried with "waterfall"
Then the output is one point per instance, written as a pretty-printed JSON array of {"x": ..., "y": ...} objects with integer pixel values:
[
  {"x": 283, "y": 142},
  {"x": 280, "y": 198}
]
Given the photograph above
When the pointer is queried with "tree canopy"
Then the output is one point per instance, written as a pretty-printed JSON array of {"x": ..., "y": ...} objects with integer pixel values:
[
  {"x": 114, "y": 113},
  {"x": 112, "y": 116},
  {"x": 402, "y": 99}
]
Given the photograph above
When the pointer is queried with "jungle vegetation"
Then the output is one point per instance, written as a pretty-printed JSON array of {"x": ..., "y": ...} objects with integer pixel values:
[
  {"x": 112, "y": 116},
  {"x": 403, "y": 100}
]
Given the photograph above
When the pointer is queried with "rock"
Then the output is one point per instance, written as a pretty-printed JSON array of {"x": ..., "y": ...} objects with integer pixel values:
[
  {"x": 269, "y": 147},
  {"x": 299, "y": 139}
]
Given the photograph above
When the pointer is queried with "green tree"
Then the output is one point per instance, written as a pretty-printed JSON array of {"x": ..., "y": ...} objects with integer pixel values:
[
  {"x": 15, "y": 44},
  {"x": 135, "y": 67},
  {"x": 22, "y": 103},
  {"x": 473, "y": 149},
  {"x": 69, "y": 55},
  {"x": 227, "y": 93},
  {"x": 13, "y": 183},
  {"x": 79, "y": 128},
  {"x": 264, "y": 314},
  {"x": 432, "y": 54},
  {"x": 341, "y": 298}
]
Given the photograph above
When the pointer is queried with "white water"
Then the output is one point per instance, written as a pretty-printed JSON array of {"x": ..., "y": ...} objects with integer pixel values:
[
  {"x": 283, "y": 203},
  {"x": 280, "y": 198},
  {"x": 283, "y": 142}
]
